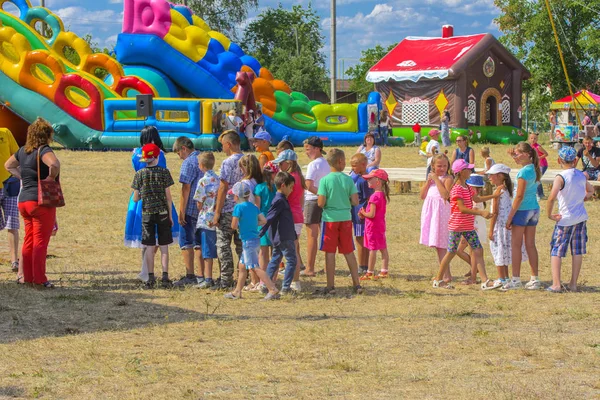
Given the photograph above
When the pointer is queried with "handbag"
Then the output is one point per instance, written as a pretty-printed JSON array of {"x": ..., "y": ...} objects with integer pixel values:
[
  {"x": 49, "y": 192},
  {"x": 11, "y": 187}
]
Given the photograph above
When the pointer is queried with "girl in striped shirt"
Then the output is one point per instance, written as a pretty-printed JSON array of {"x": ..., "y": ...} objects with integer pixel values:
[{"x": 462, "y": 224}]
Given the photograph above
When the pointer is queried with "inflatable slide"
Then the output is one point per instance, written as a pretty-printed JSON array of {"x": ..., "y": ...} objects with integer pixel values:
[{"x": 195, "y": 75}]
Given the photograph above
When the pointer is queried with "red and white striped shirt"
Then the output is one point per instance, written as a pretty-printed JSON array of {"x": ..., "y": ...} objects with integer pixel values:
[{"x": 460, "y": 222}]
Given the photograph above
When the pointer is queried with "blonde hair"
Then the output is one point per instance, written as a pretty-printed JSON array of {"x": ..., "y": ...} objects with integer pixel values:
[
  {"x": 485, "y": 151},
  {"x": 207, "y": 160},
  {"x": 441, "y": 156},
  {"x": 295, "y": 167},
  {"x": 359, "y": 158},
  {"x": 39, "y": 134},
  {"x": 249, "y": 163},
  {"x": 230, "y": 136},
  {"x": 334, "y": 156}
]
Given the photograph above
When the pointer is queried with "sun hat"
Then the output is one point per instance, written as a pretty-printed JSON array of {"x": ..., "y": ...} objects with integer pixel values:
[
  {"x": 498, "y": 169},
  {"x": 240, "y": 189},
  {"x": 377, "y": 173},
  {"x": 262, "y": 135},
  {"x": 286, "y": 155},
  {"x": 475, "y": 181},
  {"x": 567, "y": 154},
  {"x": 150, "y": 151},
  {"x": 271, "y": 167},
  {"x": 460, "y": 165}
]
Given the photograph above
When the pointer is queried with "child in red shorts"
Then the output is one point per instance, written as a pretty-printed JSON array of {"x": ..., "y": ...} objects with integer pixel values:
[{"x": 337, "y": 194}]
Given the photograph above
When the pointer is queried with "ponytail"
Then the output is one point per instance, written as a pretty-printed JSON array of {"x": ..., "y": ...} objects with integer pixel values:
[
  {"x": 386, "y": 189},
  {"x": 525, "y": 147}
]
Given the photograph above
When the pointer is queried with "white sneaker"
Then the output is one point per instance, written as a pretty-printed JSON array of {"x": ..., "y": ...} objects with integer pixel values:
[
  {"x": 533, "y": 285},
  {"x": 512, "y": 285},
  {"x": 143, "y": 277},
  {"x": 296, "y": 287}
]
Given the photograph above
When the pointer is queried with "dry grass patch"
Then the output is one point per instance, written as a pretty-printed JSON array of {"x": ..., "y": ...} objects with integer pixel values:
[{"x": 98, "y": 335}]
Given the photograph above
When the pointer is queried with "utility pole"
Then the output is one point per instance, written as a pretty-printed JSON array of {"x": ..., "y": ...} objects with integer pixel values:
[
  {"x": 333, "y": 56},
  {"x": 185, "y": 2}
]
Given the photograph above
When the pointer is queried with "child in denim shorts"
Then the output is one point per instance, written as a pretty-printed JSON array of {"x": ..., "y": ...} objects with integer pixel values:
[
  {"x": 571, "y": 188},
  {"x": 246, "y": 219}
]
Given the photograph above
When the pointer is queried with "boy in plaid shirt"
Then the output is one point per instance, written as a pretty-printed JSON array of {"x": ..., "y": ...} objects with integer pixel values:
[{"x": 151, "y": 185}]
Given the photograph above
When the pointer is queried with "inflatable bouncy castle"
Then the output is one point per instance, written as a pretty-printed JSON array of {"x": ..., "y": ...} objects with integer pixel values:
[{"x": 195, "y": 76}]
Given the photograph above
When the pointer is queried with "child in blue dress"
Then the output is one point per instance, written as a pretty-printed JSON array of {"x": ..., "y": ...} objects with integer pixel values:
[{"x": 133, "y": 222}]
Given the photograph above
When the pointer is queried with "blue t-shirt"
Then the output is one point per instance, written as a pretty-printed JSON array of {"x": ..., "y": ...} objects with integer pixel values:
[
  {"x": 364, "y": 192},
  {"x": 248, "y": 216},
  {"x": 530, "y": 201},
  {"x": 266, "y": 196}
]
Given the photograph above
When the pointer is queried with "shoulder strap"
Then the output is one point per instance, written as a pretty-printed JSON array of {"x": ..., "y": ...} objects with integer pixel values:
[{"x": 38, "y": 163}]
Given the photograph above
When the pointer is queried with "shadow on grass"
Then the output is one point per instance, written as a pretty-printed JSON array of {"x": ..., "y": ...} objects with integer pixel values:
[{"x": 27, "y": 313}]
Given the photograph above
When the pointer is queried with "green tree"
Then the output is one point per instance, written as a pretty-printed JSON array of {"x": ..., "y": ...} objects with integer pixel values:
[
  {"x": 288, "y": 43},
  {"x": 223, "y": 15},
  {"x": 72, "y": 56},
  {"x": 527, "y": 32},
  {"x": 358, "y": 72}
]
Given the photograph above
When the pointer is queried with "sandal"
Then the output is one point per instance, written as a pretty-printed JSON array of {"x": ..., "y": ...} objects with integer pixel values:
[
  {"x": 367, "y": 277},
  {"x": 15, "y": 266},
  {"x": 231, "y": 296},
  {"x": 441, "y": 285},
  {"x": 45, "y": 285},
  {"x": 20, "y": 280},
  {"x": 494, "y": 285},
  {"x": 325, "y": 291},
  {"x": 307, "y": 274},
  {"x": 251, "y": 287},
  {"x": 382, "y": 274}
]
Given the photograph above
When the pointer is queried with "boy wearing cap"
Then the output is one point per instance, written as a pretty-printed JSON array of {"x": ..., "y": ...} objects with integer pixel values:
[
  {"x": 433, "y": 147},
  {"x": 280, "y": 226},
  {"x": 572, "y": 189},
  {"x": 230, "y": 174},
  {"x": 359, "y": 162},
  {"x": 188, "y": 212},
  {"x": 337, "y": 194},
  {"x": 317, "y": 169},
  {"x": 151, "y": 185},
  {"x": 246, "y": 217},
  {"x": 261, "y": 143}
]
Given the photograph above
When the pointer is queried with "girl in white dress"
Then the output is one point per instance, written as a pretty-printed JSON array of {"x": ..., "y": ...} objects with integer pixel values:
[{"x": 499, "y": 236}]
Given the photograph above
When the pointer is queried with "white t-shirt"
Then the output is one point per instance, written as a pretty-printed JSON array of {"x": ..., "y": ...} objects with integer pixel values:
[
  {"x": 432, "y": 144},
  {"x": 316, "y": 170}
]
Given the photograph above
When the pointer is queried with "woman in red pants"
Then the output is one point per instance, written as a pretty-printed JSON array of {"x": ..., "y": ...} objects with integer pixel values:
[{"x": 39, "y": 220}]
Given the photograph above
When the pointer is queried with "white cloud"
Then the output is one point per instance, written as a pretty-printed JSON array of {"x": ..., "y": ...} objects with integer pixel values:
[
  {"x": 115, "y": 1},
  {"x": 110, "y": 41},
  {"x": 79, "y": 18}
]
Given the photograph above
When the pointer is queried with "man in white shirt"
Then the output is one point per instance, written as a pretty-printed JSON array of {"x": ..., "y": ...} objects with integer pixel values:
[{"x": 317, "y": 169}]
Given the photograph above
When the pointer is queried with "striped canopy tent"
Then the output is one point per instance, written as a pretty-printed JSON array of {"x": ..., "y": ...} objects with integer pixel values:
[{"x": 583, "y": 100}]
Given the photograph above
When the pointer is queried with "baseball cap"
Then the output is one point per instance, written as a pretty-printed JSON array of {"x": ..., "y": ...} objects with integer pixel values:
[
  {"x": 499, "y": 169},
  {"x": 240, "y": 189},
  {"x": 286, "y": 155},
  {"x": 286, "y": 140},
  {"x": 272, "y": 167},
  {"x": 475, "y": 181},
  {"x": 434, "y": 132},
  {"x": 150, "y": 151},
  {"x": 567, "y": 153},
  {"x": 315, "y": 141},
  {"x": 460, "y": 165},
  {"x": 262, "y": 135},
  {"x": 377, "y": 173}
]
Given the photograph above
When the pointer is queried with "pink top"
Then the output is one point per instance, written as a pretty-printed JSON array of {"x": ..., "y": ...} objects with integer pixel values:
[
  {"x": 296, "y": 199},
  {"x": 543, "y": 161},
  {"x": 375, "y": 227}
]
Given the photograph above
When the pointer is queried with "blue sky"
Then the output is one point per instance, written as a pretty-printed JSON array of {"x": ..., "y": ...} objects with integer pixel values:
[{"x": 361, "y": 23}]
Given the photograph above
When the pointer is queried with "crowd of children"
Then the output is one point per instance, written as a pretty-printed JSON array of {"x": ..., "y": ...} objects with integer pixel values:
[
  {"x": 454, "y": 216},
  {"x": 262, "y": 202}
]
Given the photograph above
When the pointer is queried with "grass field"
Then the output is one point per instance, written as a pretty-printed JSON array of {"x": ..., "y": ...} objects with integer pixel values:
[{"x": 99, "y": 336}]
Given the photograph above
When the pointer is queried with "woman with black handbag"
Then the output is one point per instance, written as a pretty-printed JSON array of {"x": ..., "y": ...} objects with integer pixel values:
[{"x": 38, "y": 168}]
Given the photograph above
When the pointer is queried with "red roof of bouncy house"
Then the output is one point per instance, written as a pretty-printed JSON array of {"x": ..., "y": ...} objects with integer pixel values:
[{"x": 415, "y": 58}]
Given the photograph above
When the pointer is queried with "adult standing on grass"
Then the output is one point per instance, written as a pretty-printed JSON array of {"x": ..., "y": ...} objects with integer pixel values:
[
  {"x": 8, "y": 197},
  {"x": 317, "y": 169},
  {"x": 463, "y": 151},
  {"x": 371, "y": 151},
  {"x": 39, "y": 220},
  {"x": 133, "y": 222},
  {"x": 189, "y": 176},
  {"x": 445, "y": 127}
]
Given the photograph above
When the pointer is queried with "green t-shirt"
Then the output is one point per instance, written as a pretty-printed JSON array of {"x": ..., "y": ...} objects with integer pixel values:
[{"x": 337, "y": 188}]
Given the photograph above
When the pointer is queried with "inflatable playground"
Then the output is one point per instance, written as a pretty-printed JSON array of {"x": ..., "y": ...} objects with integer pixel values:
[{"x": 194, "y": 74}]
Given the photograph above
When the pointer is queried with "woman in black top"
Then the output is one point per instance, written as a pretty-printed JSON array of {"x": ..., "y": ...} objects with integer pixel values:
[{"x": 39, "y": 220}]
